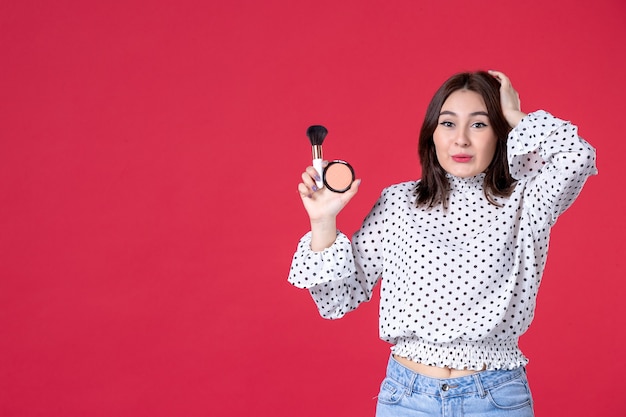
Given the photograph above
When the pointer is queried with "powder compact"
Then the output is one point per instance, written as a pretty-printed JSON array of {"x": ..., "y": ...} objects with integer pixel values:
[{"x": 338, "y": 176}]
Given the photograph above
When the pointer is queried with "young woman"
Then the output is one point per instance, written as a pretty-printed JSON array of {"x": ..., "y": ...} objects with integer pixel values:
[{"x": 460, "y": 252}]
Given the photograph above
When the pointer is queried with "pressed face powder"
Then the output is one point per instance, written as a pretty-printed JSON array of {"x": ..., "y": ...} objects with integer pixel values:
[{"x": 338, "y": 176}]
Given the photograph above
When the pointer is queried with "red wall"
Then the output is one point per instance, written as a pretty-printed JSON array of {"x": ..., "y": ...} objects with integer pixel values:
[{"x": 149, "y": 157}]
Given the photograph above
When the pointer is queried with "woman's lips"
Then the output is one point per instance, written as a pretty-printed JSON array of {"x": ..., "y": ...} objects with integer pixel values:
[{"x": 461, "y": 158}]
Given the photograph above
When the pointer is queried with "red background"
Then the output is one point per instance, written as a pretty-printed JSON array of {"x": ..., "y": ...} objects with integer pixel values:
[{"x": 149, "y": 157}]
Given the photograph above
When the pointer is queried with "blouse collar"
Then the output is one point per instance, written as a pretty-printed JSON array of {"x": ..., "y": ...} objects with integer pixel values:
[{"x": 469, "y": 183}]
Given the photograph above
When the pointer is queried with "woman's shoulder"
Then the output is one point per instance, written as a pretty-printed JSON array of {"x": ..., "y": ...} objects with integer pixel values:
[{"x": 400, "y": 189}]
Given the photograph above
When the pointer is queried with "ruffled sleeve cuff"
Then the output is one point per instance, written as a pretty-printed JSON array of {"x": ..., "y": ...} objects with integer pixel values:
[
  {"x": 310, "y": 268},
  {"x": 524, "y": 146}
]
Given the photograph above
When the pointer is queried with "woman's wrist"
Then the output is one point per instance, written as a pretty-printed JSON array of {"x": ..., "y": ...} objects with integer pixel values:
[
  {"x": 323, "y": 233},
  {"x": 513, "y": 117}
]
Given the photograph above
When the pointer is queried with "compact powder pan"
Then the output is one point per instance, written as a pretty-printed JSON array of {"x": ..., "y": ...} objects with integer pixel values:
[{"x": 338, "y": 176}]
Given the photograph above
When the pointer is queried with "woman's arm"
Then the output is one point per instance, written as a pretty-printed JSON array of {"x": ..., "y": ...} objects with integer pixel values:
[
  {"x": 548, "y": 153},
  {"x": 343, "y": 275}
]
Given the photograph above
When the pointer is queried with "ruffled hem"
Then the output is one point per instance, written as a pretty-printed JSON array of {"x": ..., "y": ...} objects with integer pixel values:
[{"x": 483, "y": 354}]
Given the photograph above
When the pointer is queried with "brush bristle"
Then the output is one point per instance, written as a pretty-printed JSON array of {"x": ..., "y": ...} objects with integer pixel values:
[{"x": 316, "y": 134}]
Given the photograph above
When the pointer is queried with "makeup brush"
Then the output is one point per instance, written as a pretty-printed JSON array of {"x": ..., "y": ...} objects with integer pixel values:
[{"x": 316, "y": 134}]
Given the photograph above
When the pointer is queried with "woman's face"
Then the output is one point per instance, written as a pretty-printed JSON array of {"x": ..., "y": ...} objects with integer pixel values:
[{"x": 464, "y": 139}]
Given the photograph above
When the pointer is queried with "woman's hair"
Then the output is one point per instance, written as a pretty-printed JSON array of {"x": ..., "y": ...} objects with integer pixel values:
[{"x": 433, "y": 188}]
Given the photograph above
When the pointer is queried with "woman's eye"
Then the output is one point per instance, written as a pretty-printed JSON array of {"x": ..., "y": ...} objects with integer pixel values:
[
  {"x": 446, "y": 124},
  {"x": 480, "y": 124}
]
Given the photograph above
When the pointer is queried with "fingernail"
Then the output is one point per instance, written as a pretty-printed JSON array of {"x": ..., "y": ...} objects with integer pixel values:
[
  {"x": 314, "y": 188},
  {"x": 317, "y": 178}
]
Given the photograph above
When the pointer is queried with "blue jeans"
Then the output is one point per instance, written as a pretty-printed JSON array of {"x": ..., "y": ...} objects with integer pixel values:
[{"x": 486, "y": 393}]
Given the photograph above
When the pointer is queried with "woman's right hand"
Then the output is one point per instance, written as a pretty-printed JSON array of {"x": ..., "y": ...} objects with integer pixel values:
[{"x": 323, "y": 205}]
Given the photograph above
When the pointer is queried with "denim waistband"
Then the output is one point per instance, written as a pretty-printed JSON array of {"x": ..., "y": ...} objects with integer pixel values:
[{"x": 450, "y": 387}]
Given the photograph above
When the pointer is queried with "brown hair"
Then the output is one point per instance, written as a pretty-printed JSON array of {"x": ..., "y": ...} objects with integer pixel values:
[{"x": 433, "y": 188}]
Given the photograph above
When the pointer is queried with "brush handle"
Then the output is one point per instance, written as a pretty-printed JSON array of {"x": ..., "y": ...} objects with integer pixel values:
[{"x": 319, "y": 167}]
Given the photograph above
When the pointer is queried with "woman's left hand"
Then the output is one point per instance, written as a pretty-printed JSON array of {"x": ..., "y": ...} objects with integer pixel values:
[{"x": 509, "y": 99}]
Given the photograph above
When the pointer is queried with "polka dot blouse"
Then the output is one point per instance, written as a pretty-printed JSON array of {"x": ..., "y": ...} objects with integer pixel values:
[{"x": 459, "y": 284}]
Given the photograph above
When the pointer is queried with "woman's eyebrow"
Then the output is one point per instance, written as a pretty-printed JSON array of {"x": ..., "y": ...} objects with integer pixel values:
[{"x": 476, "y": 113}]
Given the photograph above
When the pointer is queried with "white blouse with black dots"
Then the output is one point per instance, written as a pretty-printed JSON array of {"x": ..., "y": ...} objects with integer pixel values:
[{"x": 458, "y": 285}]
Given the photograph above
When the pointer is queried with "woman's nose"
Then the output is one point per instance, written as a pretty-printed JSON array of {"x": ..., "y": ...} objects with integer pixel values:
[{"x": 462, "y": 138}]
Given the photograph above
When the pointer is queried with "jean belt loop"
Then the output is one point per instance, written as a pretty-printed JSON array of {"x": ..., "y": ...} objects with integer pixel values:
[
  {"x": 479, "y": 385},
  {"x": 411, "y": 386}
]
